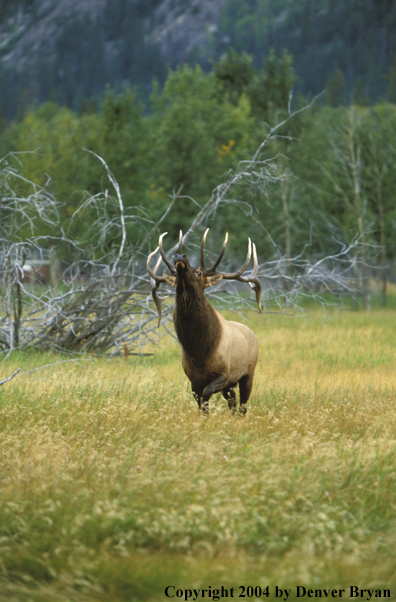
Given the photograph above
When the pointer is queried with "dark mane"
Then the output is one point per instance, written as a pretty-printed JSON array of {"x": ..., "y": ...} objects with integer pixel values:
[{"x": 197, "y": 325}]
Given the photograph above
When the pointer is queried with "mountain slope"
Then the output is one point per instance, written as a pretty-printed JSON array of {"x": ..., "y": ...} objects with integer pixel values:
[{"x": 70, "y": 50}]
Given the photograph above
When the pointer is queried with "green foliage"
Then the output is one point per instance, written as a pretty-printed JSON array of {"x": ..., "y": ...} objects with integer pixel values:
[
  {"x": 124, "y": 142},
  {"x": 344, "y": 159},
  {"x": 379, "y": 158},
  {"x": 268, "y": 89},
  {"x": 50, "y": 139},
  {"x": 196, "y": 138},
  {"x": 271, "y": 88},
  {"x": 235, "y": 73},
  {"x": 201, "y": 125}
]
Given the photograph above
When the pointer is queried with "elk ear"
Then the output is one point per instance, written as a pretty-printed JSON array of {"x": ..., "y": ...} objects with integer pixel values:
[
  {"x": 169, "y": 279},
  {"x": 213, "y": 280}
]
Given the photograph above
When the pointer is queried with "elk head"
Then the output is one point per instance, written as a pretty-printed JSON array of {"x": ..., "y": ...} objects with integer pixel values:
[{"x": 201, "y": 277}]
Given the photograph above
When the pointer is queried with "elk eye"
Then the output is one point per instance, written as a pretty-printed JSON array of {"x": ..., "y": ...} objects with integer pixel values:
[{"x": 198, "y": 273}]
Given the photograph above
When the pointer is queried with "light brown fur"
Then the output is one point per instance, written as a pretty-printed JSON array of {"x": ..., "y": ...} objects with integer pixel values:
[{"x": 234, "y": 359}]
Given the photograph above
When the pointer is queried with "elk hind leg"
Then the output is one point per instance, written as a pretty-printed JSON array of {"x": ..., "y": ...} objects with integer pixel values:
[{"x": 245, "y": 388}]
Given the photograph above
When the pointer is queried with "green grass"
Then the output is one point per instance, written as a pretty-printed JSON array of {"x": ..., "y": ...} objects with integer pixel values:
[{"x": 112, "y": 486}]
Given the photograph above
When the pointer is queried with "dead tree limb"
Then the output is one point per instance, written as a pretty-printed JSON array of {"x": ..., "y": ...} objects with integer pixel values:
[{"x": 10, "y": 377}]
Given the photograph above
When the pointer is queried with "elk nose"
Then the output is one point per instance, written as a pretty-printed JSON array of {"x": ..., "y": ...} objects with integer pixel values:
[{"x": 179, "y": 257}]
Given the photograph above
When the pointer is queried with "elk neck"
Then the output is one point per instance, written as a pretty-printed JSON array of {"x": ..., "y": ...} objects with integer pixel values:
[{"x": 196, "y": 322}]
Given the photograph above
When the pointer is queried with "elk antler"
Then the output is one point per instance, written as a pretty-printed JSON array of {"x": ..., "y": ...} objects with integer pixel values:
[
  {"x": 170, "y": 279},
  {"x": 157, "y": 280},
  {"x": 251, "y": 279}
]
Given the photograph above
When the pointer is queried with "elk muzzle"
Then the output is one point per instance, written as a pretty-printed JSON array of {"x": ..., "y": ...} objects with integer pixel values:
[{"x": 181, "y": 261}]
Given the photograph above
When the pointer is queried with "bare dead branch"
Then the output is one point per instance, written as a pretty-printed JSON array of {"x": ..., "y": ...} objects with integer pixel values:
[
  {"x": 10, "y": 377},
  {"x": 121, "y": 206}
]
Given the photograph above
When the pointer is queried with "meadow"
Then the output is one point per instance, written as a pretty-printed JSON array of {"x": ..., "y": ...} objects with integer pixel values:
[{"x": 114, "y": 488}]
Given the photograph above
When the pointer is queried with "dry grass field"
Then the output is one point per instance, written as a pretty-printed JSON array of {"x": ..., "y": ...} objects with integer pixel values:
[{"x": 112, "y": 487}]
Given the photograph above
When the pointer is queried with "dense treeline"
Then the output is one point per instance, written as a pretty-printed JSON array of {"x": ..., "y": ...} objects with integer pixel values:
[{"x": 332, "y": 171}]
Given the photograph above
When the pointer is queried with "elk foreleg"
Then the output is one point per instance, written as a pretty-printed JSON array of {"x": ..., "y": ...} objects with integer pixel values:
[
  {"x": 217, "y": 385},
  {"x": 229, "y": 395},
  {"x": 198, "y": 398}
]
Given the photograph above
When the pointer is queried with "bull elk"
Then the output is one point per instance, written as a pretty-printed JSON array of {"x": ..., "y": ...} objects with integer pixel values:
[{"x": 217, "y": 354}]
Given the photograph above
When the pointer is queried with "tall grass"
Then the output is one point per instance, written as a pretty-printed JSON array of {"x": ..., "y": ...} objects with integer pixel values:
[{"x": 113, "y": 487}]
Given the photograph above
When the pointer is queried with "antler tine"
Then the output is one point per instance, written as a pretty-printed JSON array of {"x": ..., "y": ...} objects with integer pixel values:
[
  {"x": 202, "y": 263},
  {"x": 180, "y": 241},
  {"x": 255, "y": 262},
  {"x": 161, "y": 250},
  {"x": 236, "y": 275},
  {"x": 157, "y": 301},
  {"x": 255, "y": 267},
  {"x": 153, "y": 273},
  {"x": 155, "y": 281},
  {"x": 220, "y": 257},
  {"x": 252, "y": 279}
]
